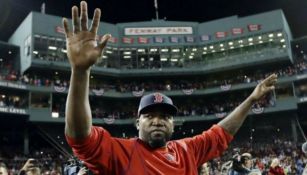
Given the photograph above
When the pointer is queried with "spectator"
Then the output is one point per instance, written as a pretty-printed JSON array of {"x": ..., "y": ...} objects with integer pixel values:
[
  {"x": 275, "y": 168},
  {"x": 82, "y": 171},
  {"x": 204, "y": 169},
  {"x": 3, "y": 169},
  {"x": 241, "y": 164},
  {"x": 31, "y": 167}
]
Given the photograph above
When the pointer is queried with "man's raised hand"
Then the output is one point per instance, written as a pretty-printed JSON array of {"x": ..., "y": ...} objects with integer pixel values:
[
  {"x": 264, "y": 87},
  {"x": 82, "y": 48}
]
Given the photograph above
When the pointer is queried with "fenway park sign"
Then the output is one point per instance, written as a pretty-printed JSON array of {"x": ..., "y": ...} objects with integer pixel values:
[{"x": 158, "y": 30}]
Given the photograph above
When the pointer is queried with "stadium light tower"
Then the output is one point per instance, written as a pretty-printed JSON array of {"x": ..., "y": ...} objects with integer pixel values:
[
  {"x": 156, "y": 7},
  {"x": 43, "y": 8}
]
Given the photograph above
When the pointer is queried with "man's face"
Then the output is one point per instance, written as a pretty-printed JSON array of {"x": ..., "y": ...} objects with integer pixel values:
[
  {"x": 34, "y": 171},
  {"x": 155, "y": 127},
  {"x": 249, "y": 163},
  {"x": 204, "y": 169}
]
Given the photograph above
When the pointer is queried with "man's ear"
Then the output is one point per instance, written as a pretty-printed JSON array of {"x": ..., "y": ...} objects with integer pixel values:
[{"x": 137, "y": 123}]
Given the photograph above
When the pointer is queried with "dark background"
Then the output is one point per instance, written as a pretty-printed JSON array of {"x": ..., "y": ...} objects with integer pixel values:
[{"x": 12, "y": 12}]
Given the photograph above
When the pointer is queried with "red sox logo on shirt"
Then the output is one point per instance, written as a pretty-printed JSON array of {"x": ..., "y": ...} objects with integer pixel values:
[
  {"x": 169, "y": 157},
  {"x": 158, "y": 98}
]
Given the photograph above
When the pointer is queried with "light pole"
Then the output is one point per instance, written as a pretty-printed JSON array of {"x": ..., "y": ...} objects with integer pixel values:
[{"x": 156, "y": 8}]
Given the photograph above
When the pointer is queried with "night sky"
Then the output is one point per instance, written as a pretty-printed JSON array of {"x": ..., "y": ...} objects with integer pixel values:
[{"x": 12, "y": 12}]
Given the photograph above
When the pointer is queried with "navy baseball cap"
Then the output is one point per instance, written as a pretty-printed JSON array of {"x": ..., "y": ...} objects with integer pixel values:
[{"x": 157, "y": 99}]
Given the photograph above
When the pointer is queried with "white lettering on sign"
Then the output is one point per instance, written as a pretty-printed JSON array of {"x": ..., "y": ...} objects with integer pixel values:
[
  {"x": 19, "y": 86},
  {"x": 13, "y": 110},
  {"x": 158, "y": 30},
  {"x": 13, "y": 85},
  {"x": 4, "y": 109},
  {"x": 17, "y": 111},
  {"x": 301, "y": 76},
  {"x": 3, "y": 83}
]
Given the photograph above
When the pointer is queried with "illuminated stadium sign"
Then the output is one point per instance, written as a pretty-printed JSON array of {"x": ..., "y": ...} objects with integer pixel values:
[
  {"x": 304, "y": 99},
  {"x": 158, "y": 30}
]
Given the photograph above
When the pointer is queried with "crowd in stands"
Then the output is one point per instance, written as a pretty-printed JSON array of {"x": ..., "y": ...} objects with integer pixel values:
[
  {"x": 291, "y": 158},
  {"x": 48, "y": 160},
  {"x": 124, "y": 87},
  {"x": 298, "y": 68},
  {"x": 203, "y": 107},
  {"x": 51, "y": 57},
  {"x": 224, "y": 106},
  {"x": 7, "y": 71},
  {"x": 12, "y": 101}
]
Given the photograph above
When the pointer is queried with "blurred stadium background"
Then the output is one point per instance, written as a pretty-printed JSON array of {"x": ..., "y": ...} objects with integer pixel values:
[{"x": 208, "y": 68}]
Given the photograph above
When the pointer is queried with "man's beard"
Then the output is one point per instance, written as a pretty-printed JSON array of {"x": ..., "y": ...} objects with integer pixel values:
[{"x": 159, "y": 142}]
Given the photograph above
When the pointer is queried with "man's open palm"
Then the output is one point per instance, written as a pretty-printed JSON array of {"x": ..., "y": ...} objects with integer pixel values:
[{"x": 82, "y": 48}]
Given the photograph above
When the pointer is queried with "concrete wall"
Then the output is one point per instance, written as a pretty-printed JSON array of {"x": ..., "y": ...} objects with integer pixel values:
[{"x": 23, "y": 38}]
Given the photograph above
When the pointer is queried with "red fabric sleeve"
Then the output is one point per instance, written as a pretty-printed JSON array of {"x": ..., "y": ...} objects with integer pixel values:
[
  {"x": 210, "y": 144},
  {"x": 93, "y": 148}
]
